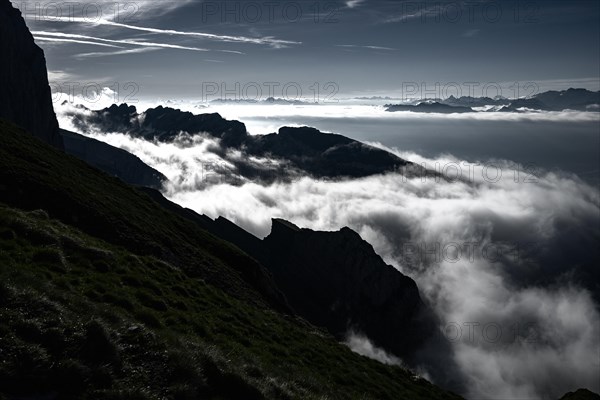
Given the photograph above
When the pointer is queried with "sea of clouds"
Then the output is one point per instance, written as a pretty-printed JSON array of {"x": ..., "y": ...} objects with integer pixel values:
[{"x": 502, "y": 255}]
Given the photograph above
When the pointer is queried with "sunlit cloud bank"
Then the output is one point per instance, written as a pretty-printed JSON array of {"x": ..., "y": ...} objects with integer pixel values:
[
  {"x": 534, "y": 329},
  {"x": 506, "y": 259}
]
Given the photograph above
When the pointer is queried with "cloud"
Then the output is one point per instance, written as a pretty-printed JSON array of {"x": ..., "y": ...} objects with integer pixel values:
[
  {"x": 471, "y": 33},
  {"x": 117, "y": 53},
  {"x": 64, "y": 40},
  {"x": 267, "y": 40},
  {"x": 347, "y": 111},
  {"x": 549, "y": 323},
  {"x": 37, "y": 34},
  {"x": 58, "y": 75},
  {"x": 360, "y": 344},
  {"x": 354, "y": 3},
  {"x": 365, "y": 47},
  {"x": 520, "y": 319},
  {"x": 411, "y": 10}
]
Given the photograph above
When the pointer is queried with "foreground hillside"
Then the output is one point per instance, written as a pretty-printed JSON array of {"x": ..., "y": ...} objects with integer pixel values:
[{"x": 104, "y": 294}]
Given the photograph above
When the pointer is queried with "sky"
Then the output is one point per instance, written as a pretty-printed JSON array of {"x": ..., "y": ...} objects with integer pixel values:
[{"x": 319, "y": 50}]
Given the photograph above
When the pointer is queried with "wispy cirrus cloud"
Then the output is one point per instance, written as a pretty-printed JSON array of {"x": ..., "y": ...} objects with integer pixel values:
[
  {"x": 118, "y": 52},
  {"x": 355, "y": 46},
  {"x": 354, "y": 3},
  {"x": 67, "y": 40},
  {"x": 409, "y": 13},
  {"x": 266, "y": 40},
  {"x": 89, "y": 39}
]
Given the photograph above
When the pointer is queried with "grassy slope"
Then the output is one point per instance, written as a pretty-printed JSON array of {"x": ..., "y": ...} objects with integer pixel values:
[
  {"x": 87, "y": 313},
  {"x": 33, "y": 175}
]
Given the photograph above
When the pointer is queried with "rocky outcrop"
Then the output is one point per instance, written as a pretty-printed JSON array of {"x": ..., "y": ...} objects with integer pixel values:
[
  {"x": 25, "y": 96},
  {"x": 336, "y": 280},
  {"x": 161, "y": 123},
  {"x": 300, "y": 151},
  {"x": 324, "y": 155},
  {"x": 112, "y": 160}
]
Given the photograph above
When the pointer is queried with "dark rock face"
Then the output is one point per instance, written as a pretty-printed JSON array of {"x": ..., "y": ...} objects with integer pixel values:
[
  {"x": 336, "y": 280},
  {"x": 25, "y": 96},
  {"x": 112, "y": 160}
]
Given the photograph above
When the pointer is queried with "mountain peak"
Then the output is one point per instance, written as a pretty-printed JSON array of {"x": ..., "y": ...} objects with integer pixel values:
[
  {"x": 25, "y": 98},
  {"x": 282, "y": 224}
]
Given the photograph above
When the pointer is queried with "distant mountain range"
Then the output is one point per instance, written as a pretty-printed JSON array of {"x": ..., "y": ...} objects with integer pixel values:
[
  {"x": 269, "y": 100},
  {"x": 571, "y": 99},
  {"x": 434, "y": 107}
]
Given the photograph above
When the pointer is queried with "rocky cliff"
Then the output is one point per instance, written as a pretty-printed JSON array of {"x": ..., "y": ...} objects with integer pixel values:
[
  {"x": 25, "y": 96},
  {"x": 336, "y": 280}
]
